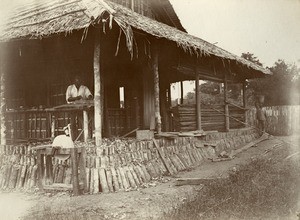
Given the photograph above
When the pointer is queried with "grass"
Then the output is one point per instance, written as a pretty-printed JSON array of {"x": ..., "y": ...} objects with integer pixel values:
[{"x": 263, "y": 189}]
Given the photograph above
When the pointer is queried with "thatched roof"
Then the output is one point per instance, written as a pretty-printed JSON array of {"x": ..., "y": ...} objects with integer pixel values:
[{"x": 43, "y": 18}]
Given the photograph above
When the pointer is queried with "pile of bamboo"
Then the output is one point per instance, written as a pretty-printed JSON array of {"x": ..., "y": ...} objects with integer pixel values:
[
  {"x": 17, "y": 168},
  {"x": 118, "y": 165}
]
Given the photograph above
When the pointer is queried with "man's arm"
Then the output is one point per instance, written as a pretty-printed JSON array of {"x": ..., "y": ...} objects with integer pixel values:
[
  {"x": 69, "y": 98},
  {"x": 88, "y": 93},
  {"x": 72, "y": 99}
]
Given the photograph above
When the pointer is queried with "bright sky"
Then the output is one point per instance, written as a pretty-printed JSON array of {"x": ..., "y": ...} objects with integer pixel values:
[{"x": 268, "y": 28}]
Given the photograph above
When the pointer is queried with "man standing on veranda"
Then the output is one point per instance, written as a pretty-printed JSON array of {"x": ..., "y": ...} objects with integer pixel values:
[{"x": 76, "y": 92}]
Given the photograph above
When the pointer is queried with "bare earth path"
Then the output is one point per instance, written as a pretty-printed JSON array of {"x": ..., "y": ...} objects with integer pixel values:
[
  {"x": 148, "y": 203},
  {"x": 15, "y": 205}
]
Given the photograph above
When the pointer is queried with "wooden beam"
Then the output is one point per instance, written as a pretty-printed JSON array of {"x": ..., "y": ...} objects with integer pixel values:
[
  {"x": 156, "y": 86},
  {"x": 198, "y": 102},
  {"x": 226, "y": 109},
  {"x": 97, "y": 88}
]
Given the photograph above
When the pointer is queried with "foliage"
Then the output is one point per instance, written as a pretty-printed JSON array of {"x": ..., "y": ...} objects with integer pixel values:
[
  {"x": 263, "y": 189},
  {"x": 252, "y": 58},
  {"x": 281, "y": 88}
]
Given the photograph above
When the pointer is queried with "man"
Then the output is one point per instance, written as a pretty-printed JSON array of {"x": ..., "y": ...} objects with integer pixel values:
[
  {"x": 77, "y": 91},
  {"x": 261, "y": 114}
]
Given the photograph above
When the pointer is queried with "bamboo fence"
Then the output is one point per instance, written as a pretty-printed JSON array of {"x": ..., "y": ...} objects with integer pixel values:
[{"x": 281, "y": 120}]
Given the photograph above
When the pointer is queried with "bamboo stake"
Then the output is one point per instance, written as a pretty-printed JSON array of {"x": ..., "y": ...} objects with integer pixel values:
[{"x": 103, "y": 180}]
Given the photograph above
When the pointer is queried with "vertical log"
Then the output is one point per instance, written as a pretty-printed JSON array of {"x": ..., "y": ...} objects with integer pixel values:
[
  {"x": 2, "y": 105},
  {"x": 198, "y": 102},
  {"x": 75, "y": 180},
  {"x": 156, "y": 87},
  {"x": 226, "y": 109},
  {"x": 97, "y": 87},
  {"x": 245, "y": 102},
  {"x": 85, "y": 125}
]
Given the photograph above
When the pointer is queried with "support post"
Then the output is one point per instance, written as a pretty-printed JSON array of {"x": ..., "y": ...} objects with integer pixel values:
[
  {"x": 198, "y": 102},
  {"x": 52, "y": 126},
  {"x": 156, "y": 87},
  {"x": 2, "y": 105},
  {"x": 97, "y": 88},
  {"x": 75, "y": 179},
  {"x": 245, "y": 102},
  {"x": 85, "y": 125},
  {"x": 181, "y": 92},
  {"x": 226, "y": 109}
]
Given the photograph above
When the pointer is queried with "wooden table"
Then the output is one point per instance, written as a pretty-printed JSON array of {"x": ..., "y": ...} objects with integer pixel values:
[{"x": 78, "y": 161}]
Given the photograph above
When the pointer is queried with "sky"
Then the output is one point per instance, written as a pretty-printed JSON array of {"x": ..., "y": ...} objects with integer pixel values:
[{"x": 270, "y": 29}]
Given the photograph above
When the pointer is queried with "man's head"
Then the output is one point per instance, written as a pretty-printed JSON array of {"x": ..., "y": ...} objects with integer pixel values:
[{"x": 77, "y": 80}]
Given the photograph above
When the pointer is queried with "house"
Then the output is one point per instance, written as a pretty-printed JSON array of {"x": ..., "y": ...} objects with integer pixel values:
[{"x": 130, "y": 48}]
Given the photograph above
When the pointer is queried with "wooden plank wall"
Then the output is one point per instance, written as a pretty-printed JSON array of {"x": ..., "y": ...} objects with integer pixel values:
[{"x": 184, "y": 117}]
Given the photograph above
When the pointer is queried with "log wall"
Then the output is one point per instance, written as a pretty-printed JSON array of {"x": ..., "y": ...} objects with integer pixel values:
[
  {"x": 212, "y": 117},
  {"x": 119, "y": 165},
  {"x": 281, "y": 120}
]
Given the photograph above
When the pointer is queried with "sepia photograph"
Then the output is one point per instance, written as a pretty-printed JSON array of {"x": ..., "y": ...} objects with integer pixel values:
[{"x": 149, "y": 109}]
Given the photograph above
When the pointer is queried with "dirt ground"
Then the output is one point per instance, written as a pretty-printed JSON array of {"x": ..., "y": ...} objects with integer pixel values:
[{"x": 148, "y": 203}]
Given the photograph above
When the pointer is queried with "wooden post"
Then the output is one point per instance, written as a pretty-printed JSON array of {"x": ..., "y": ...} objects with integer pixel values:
[
  {"x": 245, "y": 102},
  {"x": 82, "y": 167},
  {"x": 75, "y": 179},
  {"x": 85, "y": 125},
  {"x": 181, "y": 92},
  {"x": 156, "y": 87},
  {"x": 2, "y": 104},
  {"x": 52, "y": 126},
  {"x": 226, "y": 109},
  {"x": 40, "y": 169},
  {"x": 97, "y": 87},
  {"x": 198, "y": 102}
]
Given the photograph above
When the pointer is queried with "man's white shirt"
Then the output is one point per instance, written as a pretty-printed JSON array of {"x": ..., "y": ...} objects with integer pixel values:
[{"x": 72, "y": 91}]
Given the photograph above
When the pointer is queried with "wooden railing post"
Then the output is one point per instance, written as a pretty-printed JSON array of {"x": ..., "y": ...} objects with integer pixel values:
[
  {"x": 97, "y": 87},
  {"x": 226, "y": 109}
]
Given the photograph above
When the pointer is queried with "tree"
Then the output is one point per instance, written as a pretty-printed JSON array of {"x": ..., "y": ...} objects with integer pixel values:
[
  {"x": 252, "y": 58},
  {"x": 281, "y": 88}
]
